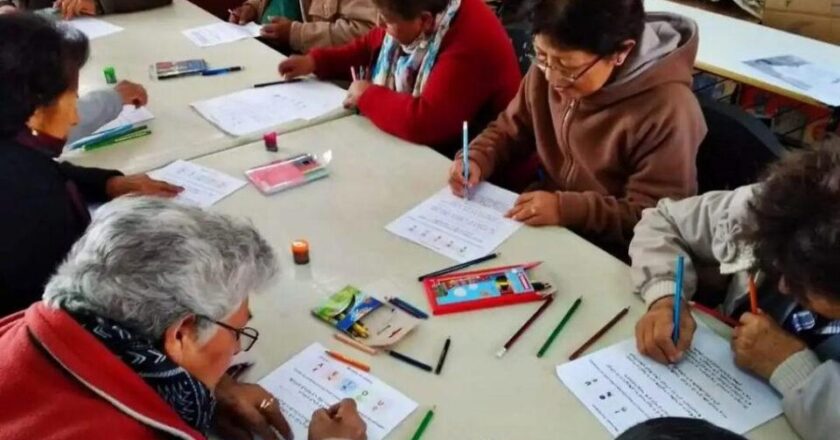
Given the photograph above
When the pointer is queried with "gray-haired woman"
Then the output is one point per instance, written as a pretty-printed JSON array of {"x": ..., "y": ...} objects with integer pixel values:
[{"x": 137, "y": 329}]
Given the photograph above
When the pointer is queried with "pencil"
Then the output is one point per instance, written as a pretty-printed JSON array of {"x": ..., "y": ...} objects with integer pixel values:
[
  {"x": 409, "y": 361},
  {"x": 353, "y": 73},
  {"x": 465, "y": 157},
  {"x": 408, "y": 308},
  {"x": 714, "y": 314},
  {"x": 351, "y": 362},
  {"x": 559, "y": 327},
  {"x": 134, "y": 134},
  {"x": 354, "y": 343},
  {"x": 525, "y": 327},
  {"x": 675, "y": 336},
  {"x": 458, "y": 267},
  {"x": 274, "y": 83},
  {"x": 443, "y": 354},
  {"x": 753, "y": 295},
  {"x": 599, "y": 334},
  {"x": 424, "y": 424}
]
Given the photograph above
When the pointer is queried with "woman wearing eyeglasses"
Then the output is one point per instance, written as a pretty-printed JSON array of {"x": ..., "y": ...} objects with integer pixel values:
[
  {"x": 608, "y": 113},
  {"x": 137, "y": 328}
]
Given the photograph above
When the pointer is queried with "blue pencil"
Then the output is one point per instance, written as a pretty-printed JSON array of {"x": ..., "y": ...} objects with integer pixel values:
[
  {"x": 465, "y": 153},
  {"x": 408, "y": 308},
  {"x": 678, "y": 297}
]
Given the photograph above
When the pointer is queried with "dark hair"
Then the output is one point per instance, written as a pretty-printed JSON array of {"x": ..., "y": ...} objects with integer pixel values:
[
  {"x": 677, "y": 428},
  {"x": 795, "y": 222},
  {"x": 411, "y": 9},
  {"x": 595, "y": 26},
  {"x": 39, "y": 60}
]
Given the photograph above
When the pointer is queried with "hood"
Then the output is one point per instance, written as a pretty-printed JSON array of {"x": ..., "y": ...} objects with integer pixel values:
[{"x": 664, "y": 54}]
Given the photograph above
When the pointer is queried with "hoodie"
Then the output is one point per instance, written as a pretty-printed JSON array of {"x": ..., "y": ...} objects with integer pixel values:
[{"x": 616, "y": 152}]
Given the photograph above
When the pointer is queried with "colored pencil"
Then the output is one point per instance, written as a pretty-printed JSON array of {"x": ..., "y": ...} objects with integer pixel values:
[
  {"x": 465, "y": 157},
  {"x": 525, "y": 327},
  {"x": 424, "y": 424},
  {"x": 351, "y": 362},
  {"x": 354, "y": 343},
  {"x": 675, "y": 336},
  {"x": 408, "y": 308},
  {"x": 714, "y": 314},
  {"x": 753, "y": 295},
  {"x": 134, "y": 134},
  {"x": 599, "y": 334},
  {"x": 559, "y": 327},
  {"x": 443, "y": 355},
  {"x": 274, "y": 83},
  {"x": 457, "y": 267},
  {"x": 353, "y": 73},
  {"x": 409, "y": 361}
]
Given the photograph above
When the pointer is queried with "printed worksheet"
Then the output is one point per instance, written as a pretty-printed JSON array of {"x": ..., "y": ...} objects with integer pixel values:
[
  {"x": 221, "y": 33},
  {"x": 817, "y": 81},
  {"x": 623, "y": 388},
  {"x": 203, "y": 187},
  {"x": 312, "y": 380},
  {"x": 93, "y": 27},
  {"x": 458, "y": 228},
  {"x": 129, "y": 115},
  {"x": 259, "y": 109}
]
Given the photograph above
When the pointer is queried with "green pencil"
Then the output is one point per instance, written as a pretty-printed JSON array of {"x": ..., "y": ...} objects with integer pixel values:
[
  {"x": 559, "y": 327},
  {"x": 424, "y": 424},
  {"x": 123, "y": 138}
]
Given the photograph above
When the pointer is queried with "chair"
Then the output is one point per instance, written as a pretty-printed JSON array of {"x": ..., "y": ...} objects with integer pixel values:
[
  {"x": 516, "y": 19},
  {"x": 736, "y": 150}
]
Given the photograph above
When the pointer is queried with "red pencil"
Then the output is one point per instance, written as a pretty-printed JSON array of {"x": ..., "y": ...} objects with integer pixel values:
[
  {"x": 753, "y": 296},
  {"x": 715, "y": 314},
  {"x": 525, "y": 326}
]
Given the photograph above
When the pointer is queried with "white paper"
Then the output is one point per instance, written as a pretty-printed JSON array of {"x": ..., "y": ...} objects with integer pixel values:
[
  {"x": 623, "y": 388},
  {"x": 129, "y": 115},
  {"x": 816, "y": 81},
  {"x": 221, "y": 33},
  {"x": 94, "y": 27},
  {"x": 312, "y": 380},
  {"x": 203, "y": 187},
  {"x": 259, "y": 109},
  {"x": 458, "y": 228}
]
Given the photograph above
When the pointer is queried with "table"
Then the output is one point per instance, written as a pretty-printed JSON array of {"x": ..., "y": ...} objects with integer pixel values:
[
  {"x": 374, "y": 179},
  {"x": 179, "y": 132},
  {"x": 726, "y": 42}
]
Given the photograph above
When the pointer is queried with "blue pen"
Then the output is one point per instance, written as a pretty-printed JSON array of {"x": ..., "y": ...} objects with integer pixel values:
[
  {"x": 465, "y": 156},
  {"x": 408, "y": 308},
  {"x": 678, "y": 297},
  {"x": 220, "y": 71}
]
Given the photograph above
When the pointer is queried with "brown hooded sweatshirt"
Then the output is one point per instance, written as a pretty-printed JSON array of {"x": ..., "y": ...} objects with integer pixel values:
[{"x": 616, "y": 152}]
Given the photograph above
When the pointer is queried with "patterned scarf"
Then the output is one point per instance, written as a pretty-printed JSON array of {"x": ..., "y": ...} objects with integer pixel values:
[
  {"x": 190, "y": 398},
  {"x": 406, "y": 69}
]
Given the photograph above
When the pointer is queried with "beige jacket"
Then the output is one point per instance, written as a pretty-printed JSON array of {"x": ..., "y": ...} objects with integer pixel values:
[{"x": 327, "y": 23}]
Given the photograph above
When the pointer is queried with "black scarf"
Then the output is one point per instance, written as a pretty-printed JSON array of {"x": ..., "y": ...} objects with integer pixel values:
[{"x": 190, "y": 398}]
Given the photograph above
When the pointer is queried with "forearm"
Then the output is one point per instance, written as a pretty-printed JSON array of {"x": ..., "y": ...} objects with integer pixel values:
[{"x": 304, "y": 37}]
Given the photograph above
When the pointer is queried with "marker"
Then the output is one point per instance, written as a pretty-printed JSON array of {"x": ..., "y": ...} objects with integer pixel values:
[
  {"x": 753, "y": 295},
  {"x": 351, "y": 362},
  {"x": 424, "y": 424},
  {"x": 678, "y": 298},
  {"x": 409, "y": 361},
  {"x": 443, "y": 354},
  {"x": 408, "y": 308},
  {"x": 559, "y": 327},
  {"x": 465, "y": 153},
  {"x": 457, "y": 267},
  {"x": 525, "y": 327},
  {"x": 600, "y": 333},
  {"x": 220, "y": 71},
  {"x": 274, "y": 83},
  {"x": 110, "y": 75}
]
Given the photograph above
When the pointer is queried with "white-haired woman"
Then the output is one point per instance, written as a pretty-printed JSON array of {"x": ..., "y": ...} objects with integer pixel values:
[{"x": 137, "y": 329}]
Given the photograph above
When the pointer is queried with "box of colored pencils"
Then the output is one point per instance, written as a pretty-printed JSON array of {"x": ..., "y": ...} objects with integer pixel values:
[{"x": 287, "y": 173}]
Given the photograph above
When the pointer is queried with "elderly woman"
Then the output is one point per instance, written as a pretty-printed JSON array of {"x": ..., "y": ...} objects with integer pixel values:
[
  {"x": 138, "y": 327},
  {"x": 47, "y": 199}
]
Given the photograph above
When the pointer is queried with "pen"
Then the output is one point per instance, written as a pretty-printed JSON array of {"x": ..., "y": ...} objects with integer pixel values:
[
  {"x": 274, "y": 83},
  {"x": 443, "y": 355},
  {"x": 753, "y": 295},
  {"x": 409, "y": 361},
  {"x": 465, "y": 153},
  {"x": 351, "y": 362},
  {"x": 424, "y": 424},
  {"x": 678, "y": 298},
  {"x": 220, "y": 71},
  {"x": 559, "y": 327},
  {"x": 525, "y": 327},
  {"x": 600, "y": 333},
  {"x": 457, "y": 267},
  {"x": 408, "y": 308}
]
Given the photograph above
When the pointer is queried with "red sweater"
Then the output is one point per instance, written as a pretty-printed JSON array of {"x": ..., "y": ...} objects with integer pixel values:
[
  {"x": 474, "y": 78},
  {"x": 58, "y": 382}
]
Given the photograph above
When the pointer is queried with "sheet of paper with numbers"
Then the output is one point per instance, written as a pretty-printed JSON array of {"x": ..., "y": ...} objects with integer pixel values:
[
  {"x": 623, "y": 388},
  {"x": 458, "y": 228},
  {"x": 312, "y": 380}
]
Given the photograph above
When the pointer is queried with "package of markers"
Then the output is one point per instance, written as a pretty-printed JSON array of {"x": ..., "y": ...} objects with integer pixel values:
[
  {"x": 175, "y": 69},
  {"x": 365, "y": 318},
  {"x": 482, "y": 289}
]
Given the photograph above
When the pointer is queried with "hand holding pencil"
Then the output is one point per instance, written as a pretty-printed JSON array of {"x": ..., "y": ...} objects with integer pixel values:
[{"x": 655, "y": 329}]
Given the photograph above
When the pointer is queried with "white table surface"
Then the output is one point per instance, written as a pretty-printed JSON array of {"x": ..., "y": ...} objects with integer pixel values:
[
  {"x": 726, "y": 42},
  {"x": 374, "y": 179},
  {"x": 178, "y": 131}
]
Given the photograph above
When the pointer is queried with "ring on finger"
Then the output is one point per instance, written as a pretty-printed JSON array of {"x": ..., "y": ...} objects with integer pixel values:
[{"x": 267, "y": 403}]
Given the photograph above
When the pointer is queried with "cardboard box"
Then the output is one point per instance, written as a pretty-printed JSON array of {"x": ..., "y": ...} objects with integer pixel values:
[
  {"x": 820, "y": 27},
  {"x": 817, "y": 7}
]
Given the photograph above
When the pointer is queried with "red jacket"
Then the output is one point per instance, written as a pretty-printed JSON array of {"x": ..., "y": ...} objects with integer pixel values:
[
  {"x": 58, "y": 382},
  {"x": 474, "y": 78}
]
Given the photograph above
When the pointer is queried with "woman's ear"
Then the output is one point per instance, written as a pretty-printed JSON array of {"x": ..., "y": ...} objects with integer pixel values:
[
  {"x": 180, "y": 340},
  {"x": 626, "y": 47}
]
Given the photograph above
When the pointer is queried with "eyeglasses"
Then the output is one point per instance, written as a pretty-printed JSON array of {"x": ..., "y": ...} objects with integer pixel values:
[
  {"x": 564, "y": 79},
  {"x": 251, "y": 334}
]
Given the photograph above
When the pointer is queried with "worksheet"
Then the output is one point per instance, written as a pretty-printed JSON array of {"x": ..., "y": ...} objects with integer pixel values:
[
  {"x": 312, "y": 380},
  {"x": 203, "y": 187},
  {"x": 458, "y": 228},
  {"x": 259, "y": 109},
  {"x": 221, "y": 33},
  {"x": 129, "y": 115},
  {"x": 818, "y": 82},
  {"x": 623, "y": 388},
  {"x": 93, "y": 27}
]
